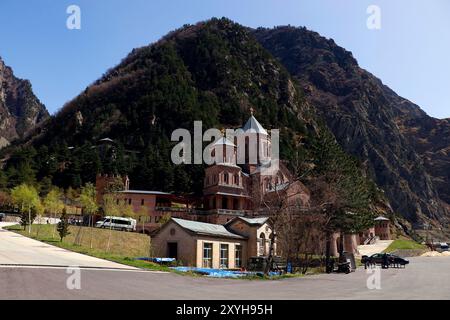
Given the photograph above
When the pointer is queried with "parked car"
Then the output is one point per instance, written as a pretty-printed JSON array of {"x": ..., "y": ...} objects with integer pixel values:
[
  {"x": 2, "y": 216},
  {"x": 377, "y": 259},
  {"x": 75, "y": 221},
  {"x": 117, "y": 223}
]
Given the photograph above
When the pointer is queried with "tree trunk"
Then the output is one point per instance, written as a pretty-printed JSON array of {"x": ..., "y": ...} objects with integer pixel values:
[
  {"x": 271, "y": 254},
  {"x": 29, "y": 221},
  {"x": 39, "y": 227},
  {"x": 341, "y": 247},
  {"x": 306, "y": 264},
  {"x": 77, "y": 238},
  {"x": 109, "y": 237},
  {"x": 328, "y": 252},
  {"x": 91, "y": 225},
  {"x": 21, "y": 215}
]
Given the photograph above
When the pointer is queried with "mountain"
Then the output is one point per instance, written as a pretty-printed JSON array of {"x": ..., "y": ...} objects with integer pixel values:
[
  {"x": 20, "y": 109},
  {"x": 214, "y": 71},
  {"x": 404, "y": 150},
  {"x": 431, "y": 139}
]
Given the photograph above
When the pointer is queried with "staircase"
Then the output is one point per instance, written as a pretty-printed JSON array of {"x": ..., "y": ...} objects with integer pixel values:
[
  {"x": 377, "y": 247},
  {"x": 371, "y": 240}
]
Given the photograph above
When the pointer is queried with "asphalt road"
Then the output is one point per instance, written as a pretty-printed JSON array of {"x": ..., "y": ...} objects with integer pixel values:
[
  {"x": 25, "y": 273},
  {"x": 18, "y": 250},
  {"x": 424, "y": 278}
]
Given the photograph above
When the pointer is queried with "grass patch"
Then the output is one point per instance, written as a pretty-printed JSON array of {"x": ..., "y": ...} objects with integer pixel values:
[
  {"x": 404, "y": 245},
  {"x": 124, "y": 246}
]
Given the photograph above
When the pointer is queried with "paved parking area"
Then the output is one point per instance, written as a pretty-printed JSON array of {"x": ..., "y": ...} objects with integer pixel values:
[
  {"x": 25, "y": 273},
  {"x": 424, "y": 278},
  {"x": 22, "y": 251}
]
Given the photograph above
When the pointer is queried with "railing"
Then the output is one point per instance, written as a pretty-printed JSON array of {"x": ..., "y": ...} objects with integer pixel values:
[
  {"x": 371, "y": 240},
  {"x": 202, "y": 212},
  {"x": 230, "y": 212},
  {"x": 179, "y": 210}
]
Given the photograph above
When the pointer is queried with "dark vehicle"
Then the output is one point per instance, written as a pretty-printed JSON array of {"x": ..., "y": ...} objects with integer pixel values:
[
  {"x": 378, "y": 259},
  {"x": 338, "y": 267},
  {"x": 75, "y": 221},
  {"x": 2, "y": 216},
  {"x": 443, "y": 247}
]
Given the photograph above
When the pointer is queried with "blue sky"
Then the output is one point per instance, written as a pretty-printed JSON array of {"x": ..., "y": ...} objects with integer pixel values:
[{"x": 410, "y": 53}]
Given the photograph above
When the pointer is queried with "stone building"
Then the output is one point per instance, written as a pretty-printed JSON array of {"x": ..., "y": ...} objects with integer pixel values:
[
  {"x": 379, "y": 231},
  {"x": 382, "y": 228},
  {"x": 205, "y": 245}
]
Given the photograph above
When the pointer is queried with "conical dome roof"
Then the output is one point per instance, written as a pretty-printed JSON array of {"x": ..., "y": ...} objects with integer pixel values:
[
  {"x": 253, "y": 126},
  {"x": 224, "y": 141}
]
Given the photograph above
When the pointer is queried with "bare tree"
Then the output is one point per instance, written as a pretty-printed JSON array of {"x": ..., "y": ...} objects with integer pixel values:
[
  {"x": 283, "y": 201},
  {"x": 309, "y": 208}
]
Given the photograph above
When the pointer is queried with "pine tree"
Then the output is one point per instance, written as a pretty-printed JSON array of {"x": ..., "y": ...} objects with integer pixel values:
[{"x": 63, "y": 226}]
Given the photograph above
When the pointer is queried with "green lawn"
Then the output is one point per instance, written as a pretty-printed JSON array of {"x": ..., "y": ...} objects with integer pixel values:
[
  {"x": 124, "y": 246},
  {"x": 404, "y": 245}
]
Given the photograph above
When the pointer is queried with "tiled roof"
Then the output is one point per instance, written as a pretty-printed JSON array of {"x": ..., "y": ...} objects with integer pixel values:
[{"x": 208, "y": 229}]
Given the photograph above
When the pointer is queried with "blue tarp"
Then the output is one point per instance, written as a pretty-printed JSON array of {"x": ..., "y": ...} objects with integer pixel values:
[{"x": 221, "y": 273}]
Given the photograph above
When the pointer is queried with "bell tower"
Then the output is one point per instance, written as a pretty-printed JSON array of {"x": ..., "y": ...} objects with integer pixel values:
[{"x": 257, "y": 144}]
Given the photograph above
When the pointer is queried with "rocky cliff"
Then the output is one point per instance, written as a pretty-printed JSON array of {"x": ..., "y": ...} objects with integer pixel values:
[
  {"x": 20, "y": 109},
  {"x": 403, "y": 149}
]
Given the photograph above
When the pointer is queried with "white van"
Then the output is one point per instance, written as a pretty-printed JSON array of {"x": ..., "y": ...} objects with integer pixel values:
[{"x": 117, "y": 223}]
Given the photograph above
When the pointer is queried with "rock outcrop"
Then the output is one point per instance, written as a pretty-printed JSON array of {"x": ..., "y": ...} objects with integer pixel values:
[
  {"x": 403, "y": 149},
  {"x": 20, "y": 109}
]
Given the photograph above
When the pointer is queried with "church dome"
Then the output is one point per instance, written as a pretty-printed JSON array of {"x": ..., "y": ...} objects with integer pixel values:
[
  {"x": 224, "y": 141},
  {"x": 253, "y": 126}
]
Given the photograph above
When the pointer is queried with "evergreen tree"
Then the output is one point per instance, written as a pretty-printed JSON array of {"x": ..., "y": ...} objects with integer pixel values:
[{"x": 63, "y": 226}]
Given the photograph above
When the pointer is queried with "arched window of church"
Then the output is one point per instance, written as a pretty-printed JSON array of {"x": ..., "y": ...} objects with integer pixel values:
[{"x": 225, "y": 177}]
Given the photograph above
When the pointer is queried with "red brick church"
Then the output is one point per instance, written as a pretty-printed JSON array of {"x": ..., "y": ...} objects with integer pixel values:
[{"x": 230, "y": 189}]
